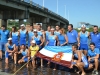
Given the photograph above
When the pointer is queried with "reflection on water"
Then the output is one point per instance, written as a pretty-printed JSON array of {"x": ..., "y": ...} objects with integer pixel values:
[{"x": 10, "y": 69}]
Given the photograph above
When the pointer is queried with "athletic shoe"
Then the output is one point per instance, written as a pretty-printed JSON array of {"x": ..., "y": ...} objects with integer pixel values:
[{"x": 95, "y": 72}]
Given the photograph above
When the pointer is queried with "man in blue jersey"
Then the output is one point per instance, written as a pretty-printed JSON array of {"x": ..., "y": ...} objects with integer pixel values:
[
  {"x": 30, "y": 35},
  {"x": 72, "y": 35},
  {"x": 52, "y": 39},
  {"x": 38, "y": 39},
  {"x": 39, "y": 28},
  {"x": 93, "y": 57},
  {"x": 23, "y": 34},
  {"x": 83, "y": 37},
  {"x": 57, "y": 31},
  {"x": 48, "y": 32},
  {"x": 10, "y": 51},
  {"x": 79, "y": 60},
  {"x": 95, "y": 37},
  {"x": 4, "y": 35},
  {"x": 24, "y": 51}
]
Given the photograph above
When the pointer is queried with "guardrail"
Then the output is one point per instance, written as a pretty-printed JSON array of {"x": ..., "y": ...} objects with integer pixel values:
[{"x": 42, "y": 8}]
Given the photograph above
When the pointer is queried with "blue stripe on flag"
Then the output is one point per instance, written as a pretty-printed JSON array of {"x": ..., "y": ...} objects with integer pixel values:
[{"x": 64, "y": 49}]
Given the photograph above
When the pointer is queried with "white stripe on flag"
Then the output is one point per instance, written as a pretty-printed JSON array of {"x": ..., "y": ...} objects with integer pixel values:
[
  {"x": 47, "y": 52},
  {"x": 66, "y": 56}
]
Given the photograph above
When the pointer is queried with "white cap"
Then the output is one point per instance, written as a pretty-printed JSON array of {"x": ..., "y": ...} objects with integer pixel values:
[
  {"x": 35, "y": 30},
  {"x": 52, "y": 29},
  {"x": 33, "y": 41},
  {"x": 83, "y": 25},
  {"x": 9, "y": 38},
  {"x": 22, "y": 25}
]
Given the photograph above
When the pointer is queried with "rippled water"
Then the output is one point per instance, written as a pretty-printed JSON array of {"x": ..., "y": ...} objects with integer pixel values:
[{"x": 11, "y": 69}]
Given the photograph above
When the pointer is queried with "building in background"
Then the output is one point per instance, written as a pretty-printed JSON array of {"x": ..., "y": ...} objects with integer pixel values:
[{"x": 88, "y": 25}]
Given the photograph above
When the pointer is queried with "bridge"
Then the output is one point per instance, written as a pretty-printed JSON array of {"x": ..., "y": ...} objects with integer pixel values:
[{"x": 27, "y": 9}]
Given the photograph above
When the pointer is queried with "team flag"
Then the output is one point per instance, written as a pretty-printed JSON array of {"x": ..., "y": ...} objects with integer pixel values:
[{"x": 57, "y": 54}]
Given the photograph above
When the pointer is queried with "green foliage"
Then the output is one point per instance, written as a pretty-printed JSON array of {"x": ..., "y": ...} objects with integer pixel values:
[
  {"x": 90, "y": 30},
  {"x": 77, "y": 30},
  {"x": 9, "y": 29},
  {"x": 13, "y": 23}
]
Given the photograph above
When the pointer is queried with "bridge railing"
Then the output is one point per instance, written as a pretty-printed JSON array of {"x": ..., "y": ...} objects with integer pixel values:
[{"x": 42, "y": 8}]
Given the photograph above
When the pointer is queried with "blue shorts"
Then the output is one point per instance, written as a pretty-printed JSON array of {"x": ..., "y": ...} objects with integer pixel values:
[
  {"x": 83, "y": 47},
  {"x": 26, "y": 59},
  {"x": 22, "y": 42},
  {"x": 2, "y": 46},
  {"x": 16, "y": 44},
  {"x": 7, "y": 55}
]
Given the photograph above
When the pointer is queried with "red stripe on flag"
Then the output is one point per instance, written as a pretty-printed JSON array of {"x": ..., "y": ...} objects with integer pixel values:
[{"x": 61, "y": 62}]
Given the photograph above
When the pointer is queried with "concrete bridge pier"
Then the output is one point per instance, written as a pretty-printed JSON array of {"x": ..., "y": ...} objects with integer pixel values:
[
  {"x": 30, "y": 21},
  {"x": 21, "y": 21},
  {"x": 44, "y": 26},
  {"x": 45, "y": 22},
  {"x": 3, "y": 22}
]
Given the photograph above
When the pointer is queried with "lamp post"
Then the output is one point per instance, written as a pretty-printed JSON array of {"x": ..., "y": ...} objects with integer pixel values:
[
  {"x": 57, "y": 6},
  {"x": 43, "y": 3},
  {"x": 65, "y": 11},
  {"x": 68, "y": 14}
]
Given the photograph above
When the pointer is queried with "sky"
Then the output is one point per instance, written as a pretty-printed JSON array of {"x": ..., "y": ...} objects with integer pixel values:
[{"x": 79, "y": 10}]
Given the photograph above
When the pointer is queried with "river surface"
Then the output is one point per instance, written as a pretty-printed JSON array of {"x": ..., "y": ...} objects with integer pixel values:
[{"x": 10, "y": 69}]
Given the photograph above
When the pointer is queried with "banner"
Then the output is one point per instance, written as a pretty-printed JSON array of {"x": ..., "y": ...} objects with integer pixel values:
[{"x": 57, "y": 54}]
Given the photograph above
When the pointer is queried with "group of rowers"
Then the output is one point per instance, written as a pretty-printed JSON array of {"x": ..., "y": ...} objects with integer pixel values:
[{"x": 14, "y": 42}]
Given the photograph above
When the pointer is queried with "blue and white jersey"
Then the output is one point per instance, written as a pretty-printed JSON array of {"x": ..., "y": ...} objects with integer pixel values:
[
  {"x": 47, "y": 34},
  {"x": 56, "y": 32},
  {"x": 95, "y": 38},
  {"x": 37, "y": 39},
  {"x": 40, "y": 33},
  {"x": 15, "y": 37},
  {"x": 84, "y": 37},
  {"x": 4, "y": 35},
  {"x": 10, "y": 47},
  {"x": 24, "y": 53},
  {"x": 83, "y": 59},
  {"x": 23, "y": 37},
  {"x": 72, "y": 36},
  {"x": 30, "y": 35},
  {"x": 51, "y": 40},
  {"x": 93, "y": 53},
  {"x": 61, "y": 39}
]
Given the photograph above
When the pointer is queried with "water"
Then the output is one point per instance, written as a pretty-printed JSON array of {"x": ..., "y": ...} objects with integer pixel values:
[{"x": 10, "y": 69}]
